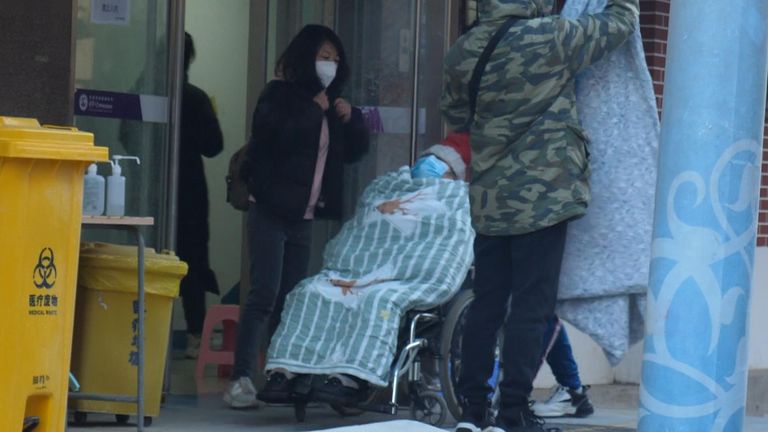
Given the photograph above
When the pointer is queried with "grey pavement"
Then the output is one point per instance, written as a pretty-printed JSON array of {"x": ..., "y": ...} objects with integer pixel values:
[
  {"x": 197, "y": 414},
  {"x": 197, "y": 407},
  {"x": 207, "y": 413}
]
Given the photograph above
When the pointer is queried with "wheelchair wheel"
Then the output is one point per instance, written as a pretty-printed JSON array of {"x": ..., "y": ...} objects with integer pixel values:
[
  {"x": 450, "y": 355},
  {"x": 433, "y": 411},
  {"x": 31, "y": 423},
  {"x": 450, "y": 349}
]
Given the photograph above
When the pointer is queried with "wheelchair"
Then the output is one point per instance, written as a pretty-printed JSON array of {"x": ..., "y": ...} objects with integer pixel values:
[{"x": 423, "y": 376}]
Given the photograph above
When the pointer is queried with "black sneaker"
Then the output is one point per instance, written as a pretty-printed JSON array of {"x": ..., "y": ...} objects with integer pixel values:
[
  {"x": 565, "y": 402},
  {"x": 334, "y": 392},
  {"x": 278, "y": 389},
  {"x": 521, "y": 420}
]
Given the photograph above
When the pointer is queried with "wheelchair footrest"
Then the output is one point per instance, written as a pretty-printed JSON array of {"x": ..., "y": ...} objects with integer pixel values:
[{"x": 380, "y": 408}]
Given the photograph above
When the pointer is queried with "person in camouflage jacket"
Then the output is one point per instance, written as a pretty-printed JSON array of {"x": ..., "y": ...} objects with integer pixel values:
[{"x": 530, "y": 176}]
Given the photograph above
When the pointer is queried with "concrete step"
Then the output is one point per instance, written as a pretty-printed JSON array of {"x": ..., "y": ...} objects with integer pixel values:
[
  {"x": 757, "y": 393},
  {"x": 610, "y": 396},
  {"x": 627, "y": 396},
  {"x": 397, "y": 425},
  {"x": 616, "y": 407},
  {"x": 412, "y": 426}
]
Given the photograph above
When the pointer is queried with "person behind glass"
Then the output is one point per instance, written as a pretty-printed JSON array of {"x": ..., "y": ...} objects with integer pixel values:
[
  {"x": 302, "y": 134},
  {"x": 200, "y": 136}
]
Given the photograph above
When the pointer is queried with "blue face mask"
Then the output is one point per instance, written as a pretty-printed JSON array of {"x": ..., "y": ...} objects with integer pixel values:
[{"x": 429, "y": 167}]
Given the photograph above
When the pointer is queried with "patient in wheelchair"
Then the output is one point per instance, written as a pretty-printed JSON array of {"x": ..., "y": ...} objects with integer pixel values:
[{"x": 408, "y": 246}]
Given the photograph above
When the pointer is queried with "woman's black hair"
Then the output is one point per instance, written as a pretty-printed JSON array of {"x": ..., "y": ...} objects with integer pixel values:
[{"x": 297, "y": 63}]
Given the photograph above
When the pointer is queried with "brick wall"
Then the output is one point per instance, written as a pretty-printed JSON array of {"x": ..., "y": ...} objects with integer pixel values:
[
  {"x": 762, "y": 230},
  {"x": 654, "y": 22}
]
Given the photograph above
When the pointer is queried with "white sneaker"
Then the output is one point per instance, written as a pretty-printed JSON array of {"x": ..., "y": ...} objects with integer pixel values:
[
  {"x": 467, "y": 427},
  {"x": 193, "y": 346},
  {"x": 241, "y": 394},
  {"x": 565, "y": 402}
]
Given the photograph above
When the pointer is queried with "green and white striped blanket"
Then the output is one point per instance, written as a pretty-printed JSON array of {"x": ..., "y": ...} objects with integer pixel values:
[{"x": 413, "y": 256}]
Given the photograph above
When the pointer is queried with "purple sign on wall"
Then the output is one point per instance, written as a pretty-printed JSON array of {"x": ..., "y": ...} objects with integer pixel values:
[{"x": 99, "y": 103}]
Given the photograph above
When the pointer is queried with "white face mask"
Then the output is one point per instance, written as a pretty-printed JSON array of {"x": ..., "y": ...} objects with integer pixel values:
[{"x": 326, "y": 71}]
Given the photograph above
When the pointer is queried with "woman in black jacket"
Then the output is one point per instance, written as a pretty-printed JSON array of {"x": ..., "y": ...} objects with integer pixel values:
[{"x": 303, "y": 133}]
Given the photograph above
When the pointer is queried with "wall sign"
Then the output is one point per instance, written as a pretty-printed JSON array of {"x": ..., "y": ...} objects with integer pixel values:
[
  {"x": 115, "y": 12},
  {"x": 98, "y": 103}
]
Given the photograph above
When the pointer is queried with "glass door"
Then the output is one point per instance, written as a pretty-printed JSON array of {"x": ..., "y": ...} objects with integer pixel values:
[
  {"x": 122, "y": 96},
  {"x": 287, "y": 17},
  {"x": 396, "y": 49}
]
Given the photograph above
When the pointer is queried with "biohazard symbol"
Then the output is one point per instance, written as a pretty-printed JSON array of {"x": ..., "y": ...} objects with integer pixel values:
[{"x": 45, "y": 270}]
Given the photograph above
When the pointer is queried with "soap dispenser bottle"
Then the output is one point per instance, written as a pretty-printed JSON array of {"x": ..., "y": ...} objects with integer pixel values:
[
  {"x": 116, "y": 187},
  {"x": 93, "y": 192}
]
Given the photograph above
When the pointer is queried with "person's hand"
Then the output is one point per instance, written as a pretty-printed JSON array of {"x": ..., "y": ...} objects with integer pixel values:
[
  {"x": 343, "y": 109},
  {"x": 346, "y": 286},
  {"x": 343, "y": 283},
  {"x": 321, "y": 99},
  {"x": 392, "y": 207},
  {"x": 396, "y": 206}
]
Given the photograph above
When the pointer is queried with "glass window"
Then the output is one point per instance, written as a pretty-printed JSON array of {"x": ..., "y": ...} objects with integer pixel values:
[{"x": 129, "y": 58}]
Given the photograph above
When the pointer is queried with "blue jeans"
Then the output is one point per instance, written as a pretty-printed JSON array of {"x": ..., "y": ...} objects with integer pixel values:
[{"x": 560, "y": 356}]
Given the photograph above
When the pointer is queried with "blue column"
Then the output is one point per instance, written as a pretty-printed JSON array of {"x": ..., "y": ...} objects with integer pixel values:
[{"x": 695, "y": 361}]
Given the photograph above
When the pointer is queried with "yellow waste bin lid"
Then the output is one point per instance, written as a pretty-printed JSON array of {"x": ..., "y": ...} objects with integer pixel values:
[
  {"x": 110, "y": 267},
  {"x": 26, "y": 138}
]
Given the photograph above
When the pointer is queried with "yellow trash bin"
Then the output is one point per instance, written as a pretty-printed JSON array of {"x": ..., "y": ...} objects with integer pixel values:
[
  {"x": 41, "y": 192},
  {"x": 104, "y": 357}
]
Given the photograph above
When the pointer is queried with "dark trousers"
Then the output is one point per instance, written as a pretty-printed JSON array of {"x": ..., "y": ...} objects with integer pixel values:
[
  {"x": 194, "y": 309},
  {"x": 193, "y": 250},
  {"x": 515, "y": 288},
  {"x": 279, "y": 260},
  {"x": 560, "y": 356}
]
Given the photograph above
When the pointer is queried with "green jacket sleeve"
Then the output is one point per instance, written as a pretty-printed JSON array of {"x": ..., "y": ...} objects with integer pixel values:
[
  {"x": 587, "y": 39},
  {"x": 454, "y": 103}
]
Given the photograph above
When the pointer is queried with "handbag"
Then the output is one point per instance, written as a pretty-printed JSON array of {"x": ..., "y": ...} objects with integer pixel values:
[{"x": 237, "y": 187}]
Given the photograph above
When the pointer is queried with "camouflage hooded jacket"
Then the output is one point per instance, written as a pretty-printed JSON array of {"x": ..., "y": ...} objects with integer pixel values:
[{"x": 530, "y": 162}]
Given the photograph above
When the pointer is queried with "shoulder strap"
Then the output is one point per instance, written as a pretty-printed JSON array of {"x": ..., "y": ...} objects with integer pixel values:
[{"x": 482, "y": 62}]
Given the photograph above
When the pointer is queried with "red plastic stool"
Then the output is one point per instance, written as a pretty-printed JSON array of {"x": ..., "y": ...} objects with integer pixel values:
[{"x": 228, "y": 316}]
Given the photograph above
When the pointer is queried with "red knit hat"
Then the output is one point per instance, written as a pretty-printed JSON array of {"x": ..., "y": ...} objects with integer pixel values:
[{"x": 455, "y": 151}]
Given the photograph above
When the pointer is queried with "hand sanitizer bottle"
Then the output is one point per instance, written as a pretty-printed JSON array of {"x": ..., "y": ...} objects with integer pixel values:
[
  {"x": 93, "y": 192},
  {"x": 116, "y": 187}
]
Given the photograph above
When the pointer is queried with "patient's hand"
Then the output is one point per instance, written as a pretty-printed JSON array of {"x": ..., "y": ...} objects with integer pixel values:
[
  {"x": 343, "y": 283},
  {"x": 390, "y": 207},
  {"x": 396, "y": 206},
  {"x": 346, "y": 286}
]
